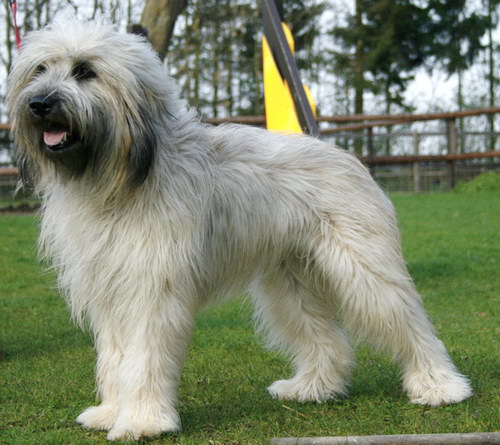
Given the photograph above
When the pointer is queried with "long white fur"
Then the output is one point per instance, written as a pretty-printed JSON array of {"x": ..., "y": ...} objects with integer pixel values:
[{"x": 297, "y": 223}]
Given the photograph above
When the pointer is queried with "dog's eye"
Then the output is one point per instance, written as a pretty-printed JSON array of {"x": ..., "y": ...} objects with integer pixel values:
[
  {"x": 82, "y": 71},
  {"x": 40, "y": 69}
]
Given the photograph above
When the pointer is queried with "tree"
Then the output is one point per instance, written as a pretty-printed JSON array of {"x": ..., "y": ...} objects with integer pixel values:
[
  {"x": 457, "y": 36},
  {"x": 399, "y": 42},
  {"x": 351, "y": 58},
  {"x": 303, "y": 16},
  {"x": 457, "y": 42},
  {"x": 248, "y": 64},
  {"x": 381, "y": 45},
  {"x": 159, "y": 17},
  {"x": 492, "y": 49}
]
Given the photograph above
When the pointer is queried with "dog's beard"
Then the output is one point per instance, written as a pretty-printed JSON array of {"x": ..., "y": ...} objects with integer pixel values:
[{"x": 60, "y": 145}]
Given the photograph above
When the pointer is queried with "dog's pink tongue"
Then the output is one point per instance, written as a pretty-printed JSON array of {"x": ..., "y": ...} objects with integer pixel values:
[{"x": 53, "y": 137}]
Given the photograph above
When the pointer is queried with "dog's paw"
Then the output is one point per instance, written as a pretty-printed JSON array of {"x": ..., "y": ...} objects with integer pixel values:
[
  {"x": 100, "y": 417},
  {"x": 132, "y": 427},
  {"x": 303, "y": 390},
  {"x": 440, "y": 389}
]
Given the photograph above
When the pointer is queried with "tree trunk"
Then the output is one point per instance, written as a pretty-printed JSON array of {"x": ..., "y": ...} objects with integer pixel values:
[
  {"x": 158, "y": 17},
  {"x": 8, "y": 39},
  {"x": 460, "y": 108},
  {"x": 388, "y": 128},
  {"x": 491, "y": 76},
  {"x": 258, "y": 93},
  {"x": 196, "y": 74},
  {"x": 216, "y": 69},
  {"x": 359, "y": 79},
  {"x": 229, "y": 55}
]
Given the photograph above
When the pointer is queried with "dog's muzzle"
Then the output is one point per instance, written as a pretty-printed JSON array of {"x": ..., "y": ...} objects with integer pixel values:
[{"x": 47, "y": 112}]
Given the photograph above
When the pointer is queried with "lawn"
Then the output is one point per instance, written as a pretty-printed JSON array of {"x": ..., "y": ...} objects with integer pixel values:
[{"x": 452, "y": 246}]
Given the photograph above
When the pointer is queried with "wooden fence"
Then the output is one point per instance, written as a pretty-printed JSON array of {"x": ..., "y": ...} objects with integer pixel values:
[
  {"x": 445, "y": 172},
  {"x": 443, "y": 169}
]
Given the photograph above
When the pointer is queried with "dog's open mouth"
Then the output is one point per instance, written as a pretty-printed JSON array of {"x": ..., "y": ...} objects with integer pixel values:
[{"x": 58, "y": 138}]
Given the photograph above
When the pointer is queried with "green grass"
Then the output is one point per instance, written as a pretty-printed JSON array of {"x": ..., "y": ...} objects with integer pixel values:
[{"x": 451, "y": 243}]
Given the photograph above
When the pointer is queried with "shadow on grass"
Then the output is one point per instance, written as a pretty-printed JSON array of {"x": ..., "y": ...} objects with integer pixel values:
[
  {"x": 53, "y": 333},
  {"x": 426, "y": 271}
]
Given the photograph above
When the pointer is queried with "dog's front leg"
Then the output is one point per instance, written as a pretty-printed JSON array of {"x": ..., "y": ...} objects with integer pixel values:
[
  {"x": 109, "y": 357},
  {"x": 148, "y": 375}
]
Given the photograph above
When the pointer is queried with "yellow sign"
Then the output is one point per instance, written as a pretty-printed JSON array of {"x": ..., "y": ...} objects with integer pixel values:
[{"x": 281, "y": 114}]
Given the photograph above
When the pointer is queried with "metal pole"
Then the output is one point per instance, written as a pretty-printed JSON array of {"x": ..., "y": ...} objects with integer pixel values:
[
  {"x": 405, "y": 439},
  {"x": 275, "y": 36}
]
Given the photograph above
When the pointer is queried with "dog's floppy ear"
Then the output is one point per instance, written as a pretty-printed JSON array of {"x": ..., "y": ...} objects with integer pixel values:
[{"x": 143, "y": 148}]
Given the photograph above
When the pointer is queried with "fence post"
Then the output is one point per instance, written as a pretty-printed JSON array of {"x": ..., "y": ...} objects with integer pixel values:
[
  {"x": 416, "y": 166},
  {"x": 371, "y": 149},
  {"x": 451, "y": 134}
]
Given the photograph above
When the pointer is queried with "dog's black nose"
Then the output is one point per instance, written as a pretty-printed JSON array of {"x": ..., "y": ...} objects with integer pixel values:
[{"x": 42, "y": 105}]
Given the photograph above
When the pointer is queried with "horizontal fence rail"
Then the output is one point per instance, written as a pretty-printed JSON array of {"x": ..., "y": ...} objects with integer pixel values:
[
  {"x": 383, "y": 119},
  {"x": 410, "y": 159},
  {"x": 412, "y": 172}
]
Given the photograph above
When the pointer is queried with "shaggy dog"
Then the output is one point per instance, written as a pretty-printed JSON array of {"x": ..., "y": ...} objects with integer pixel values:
[{"x": 148, "y": 215}]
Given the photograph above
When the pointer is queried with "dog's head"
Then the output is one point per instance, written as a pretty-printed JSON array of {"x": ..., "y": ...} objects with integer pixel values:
[{"x": 87, "y": 100}]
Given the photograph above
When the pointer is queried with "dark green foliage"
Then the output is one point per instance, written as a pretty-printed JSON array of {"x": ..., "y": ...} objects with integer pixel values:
[
  {"x": 456, "y": 33},
  {"x": 486, "y": 182},
  {"x": 303, "y": 18},
  {"x": 397, "y": 43},
  {"x": 386, "y": 40}
]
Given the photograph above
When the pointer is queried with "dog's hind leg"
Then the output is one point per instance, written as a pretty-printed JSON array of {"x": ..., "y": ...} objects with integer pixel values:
[
  {"x": 379, "y": 303},
  {"x": 300, "y": 324}
]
